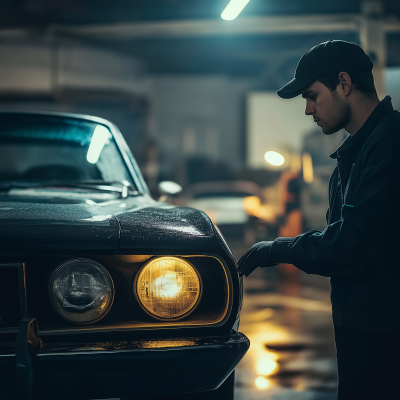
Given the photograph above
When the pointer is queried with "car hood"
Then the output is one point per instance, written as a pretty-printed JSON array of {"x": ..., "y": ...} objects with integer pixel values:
[
  {"x": 56, "y": 223},
  {"x": 136, "y": 224},
  {"x": 161, "y": 226}
]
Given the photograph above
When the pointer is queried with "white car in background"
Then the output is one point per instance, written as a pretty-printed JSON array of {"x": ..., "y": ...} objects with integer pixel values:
[{"x": 226, "y": 203}]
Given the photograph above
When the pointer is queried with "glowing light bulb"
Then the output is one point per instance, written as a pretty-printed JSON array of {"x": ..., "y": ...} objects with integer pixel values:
[
  {"x": 167, "y": 285},
  {"x": 262, "y": 383},
  {"x": 274, "y": 158},
  {"x": 233, "y": 9},
  {"x": 265, "y": 366}
]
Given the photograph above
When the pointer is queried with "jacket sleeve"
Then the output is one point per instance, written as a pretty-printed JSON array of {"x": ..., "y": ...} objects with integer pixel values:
[{"x": 368, "y": 227}]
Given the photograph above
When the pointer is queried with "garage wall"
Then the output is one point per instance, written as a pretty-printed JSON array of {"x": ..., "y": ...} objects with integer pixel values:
[
  {"x": 274, "y": 124},
  {"x": 42, "y": 67},
  {"x": 98, "y": 68},
  {"x": 25, "y": 68},
  {"x": 199, "y": 116}
]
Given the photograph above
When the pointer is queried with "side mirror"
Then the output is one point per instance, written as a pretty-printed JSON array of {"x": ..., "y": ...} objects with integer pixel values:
[{"x": 168, "y": 188}]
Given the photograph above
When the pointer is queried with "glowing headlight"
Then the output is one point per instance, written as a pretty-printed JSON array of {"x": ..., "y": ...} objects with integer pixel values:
[
  {"x": 168, "y": 287},
  {"x": 81, "y": 291}
]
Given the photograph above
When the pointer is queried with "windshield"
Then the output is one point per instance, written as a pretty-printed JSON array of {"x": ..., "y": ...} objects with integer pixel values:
[{"x": 49, "y": 148}]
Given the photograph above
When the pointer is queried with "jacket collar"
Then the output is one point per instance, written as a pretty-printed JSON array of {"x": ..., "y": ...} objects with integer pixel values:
[{"x": 360, "y": 137}]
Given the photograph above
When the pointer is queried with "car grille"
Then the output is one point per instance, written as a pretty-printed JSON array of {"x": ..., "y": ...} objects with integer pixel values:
[{"x": 12, "y": 295}]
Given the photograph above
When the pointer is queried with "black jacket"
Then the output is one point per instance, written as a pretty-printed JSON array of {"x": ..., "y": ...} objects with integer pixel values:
[{"x": 360, "y": 247}]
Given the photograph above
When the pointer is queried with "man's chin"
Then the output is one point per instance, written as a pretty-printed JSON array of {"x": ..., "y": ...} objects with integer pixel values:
[{"x": 330, "y": 130}]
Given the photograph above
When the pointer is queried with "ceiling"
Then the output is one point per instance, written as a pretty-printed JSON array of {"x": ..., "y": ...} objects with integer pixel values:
[
  {"x": 270, "y": 56},
  {"x": 42, "y": 12}
]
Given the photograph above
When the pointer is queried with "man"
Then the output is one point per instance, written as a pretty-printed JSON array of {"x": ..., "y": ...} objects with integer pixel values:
[{"x": 360, "y": 247}]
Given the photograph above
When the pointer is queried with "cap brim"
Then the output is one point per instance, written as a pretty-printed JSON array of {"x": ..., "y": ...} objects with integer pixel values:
[{"x": 295, "y": 86}]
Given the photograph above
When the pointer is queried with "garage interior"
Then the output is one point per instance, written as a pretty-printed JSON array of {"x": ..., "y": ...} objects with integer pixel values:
[{"x": 193, "y": 94}]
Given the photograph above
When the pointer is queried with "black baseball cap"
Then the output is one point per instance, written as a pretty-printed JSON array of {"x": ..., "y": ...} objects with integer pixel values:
[{"x": 326, "y": 58}]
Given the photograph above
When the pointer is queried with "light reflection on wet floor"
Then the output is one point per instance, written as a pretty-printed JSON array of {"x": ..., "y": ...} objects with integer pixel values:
[{"x": 292, "y": 352}]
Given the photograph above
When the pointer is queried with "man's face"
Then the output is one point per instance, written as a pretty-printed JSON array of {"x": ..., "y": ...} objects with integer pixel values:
[{"x": 330, "y": 111}]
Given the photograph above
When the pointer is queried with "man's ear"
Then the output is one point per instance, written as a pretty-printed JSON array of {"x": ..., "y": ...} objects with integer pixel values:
[{"x": 345, "y": 84}]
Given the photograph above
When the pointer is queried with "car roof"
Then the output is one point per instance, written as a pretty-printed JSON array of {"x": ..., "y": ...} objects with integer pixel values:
[{"x": 58, "y": 114}]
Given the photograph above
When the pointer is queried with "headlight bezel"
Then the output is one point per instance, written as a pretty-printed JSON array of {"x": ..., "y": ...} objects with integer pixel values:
[
  {"x": 148, "y": 312},
  {"x": 64, "y": 265}
]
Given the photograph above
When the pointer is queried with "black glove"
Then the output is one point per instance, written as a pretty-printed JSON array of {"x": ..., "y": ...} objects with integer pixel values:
[{"x": 259, "y": 255}]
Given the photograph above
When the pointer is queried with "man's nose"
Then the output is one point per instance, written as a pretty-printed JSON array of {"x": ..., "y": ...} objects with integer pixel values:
[{"x": 310, "y": 109}]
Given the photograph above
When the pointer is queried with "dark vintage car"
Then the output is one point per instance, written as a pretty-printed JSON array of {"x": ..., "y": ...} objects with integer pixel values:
[{"x": 105, "y": 292}]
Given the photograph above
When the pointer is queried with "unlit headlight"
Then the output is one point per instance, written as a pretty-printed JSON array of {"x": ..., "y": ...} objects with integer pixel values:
[
  {"x": 81, "y": 291},
  {"x": 168, "y": 288}
]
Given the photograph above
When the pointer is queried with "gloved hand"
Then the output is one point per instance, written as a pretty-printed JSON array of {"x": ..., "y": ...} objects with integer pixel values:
[{"x": 259, "y": 255}]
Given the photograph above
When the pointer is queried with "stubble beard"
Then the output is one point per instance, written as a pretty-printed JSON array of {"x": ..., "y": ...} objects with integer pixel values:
[{"x": 340, "y": 116}]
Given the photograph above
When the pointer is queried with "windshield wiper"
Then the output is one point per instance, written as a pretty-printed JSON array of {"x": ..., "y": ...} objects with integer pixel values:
[{"x": 125, "y": 190}]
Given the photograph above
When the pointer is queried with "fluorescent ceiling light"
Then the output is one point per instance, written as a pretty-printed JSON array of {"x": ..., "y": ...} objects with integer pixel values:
[
  {"x": 99, "y": 139},
  {"x": 233, "y": 9},
  {"x": 274, "y": 158}
]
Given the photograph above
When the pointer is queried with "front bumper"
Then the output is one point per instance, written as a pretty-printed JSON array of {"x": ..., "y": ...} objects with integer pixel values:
[{"x": 126, "y": 369}]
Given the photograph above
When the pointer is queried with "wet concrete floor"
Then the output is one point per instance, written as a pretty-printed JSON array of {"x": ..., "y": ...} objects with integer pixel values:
[{"x": 286, "y": 315}]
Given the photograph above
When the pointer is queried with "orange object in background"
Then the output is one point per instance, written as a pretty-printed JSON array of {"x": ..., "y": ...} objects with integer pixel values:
[
  {"x": 293, "y": 225},
  {"x": 290, "y": 206},
  {"x": 292, "y": 228},
  {"x": 253, "y": 207}
]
